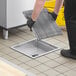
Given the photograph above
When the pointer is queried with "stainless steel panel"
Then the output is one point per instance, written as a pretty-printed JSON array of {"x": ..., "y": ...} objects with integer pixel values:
[{"x": 45, "y": 25}]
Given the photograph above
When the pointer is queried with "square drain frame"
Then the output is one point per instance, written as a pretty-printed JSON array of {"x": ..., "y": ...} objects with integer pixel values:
[{"x": 34, "y": 48}]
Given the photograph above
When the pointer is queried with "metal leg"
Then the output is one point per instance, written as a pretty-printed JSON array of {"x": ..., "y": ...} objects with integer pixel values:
[{"x": 5, "y": 34}]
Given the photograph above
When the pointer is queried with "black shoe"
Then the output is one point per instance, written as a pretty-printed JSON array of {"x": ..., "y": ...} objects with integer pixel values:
[{"x": 68, "y": 54}]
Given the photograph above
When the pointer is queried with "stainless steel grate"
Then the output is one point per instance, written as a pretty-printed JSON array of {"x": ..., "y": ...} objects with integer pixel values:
[{"x": 45, "y": 25}]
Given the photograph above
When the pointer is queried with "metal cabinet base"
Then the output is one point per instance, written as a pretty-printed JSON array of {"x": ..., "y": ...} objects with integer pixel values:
[{"x": 5, "y": 34}]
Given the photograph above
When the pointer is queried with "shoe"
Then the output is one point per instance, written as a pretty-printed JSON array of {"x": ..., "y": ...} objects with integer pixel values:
[{"x": 68, "y": 54}]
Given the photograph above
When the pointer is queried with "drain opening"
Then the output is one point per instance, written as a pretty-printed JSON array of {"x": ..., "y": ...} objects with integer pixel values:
[{"x": 34, "y": 55}]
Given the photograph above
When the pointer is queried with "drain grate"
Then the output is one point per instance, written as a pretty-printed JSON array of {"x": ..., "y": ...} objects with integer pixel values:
[{"x": 45, "y": 26}]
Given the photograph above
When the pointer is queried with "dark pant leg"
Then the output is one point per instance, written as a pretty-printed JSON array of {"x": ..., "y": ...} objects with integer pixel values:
[{"x": 71, "y": 31}]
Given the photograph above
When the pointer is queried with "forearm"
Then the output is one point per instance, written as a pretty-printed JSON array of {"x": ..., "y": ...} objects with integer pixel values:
[
  {"x": 39, "y": 6},
  {"x": 58, "y": 5},
  {"x": 37, "y": 9}
]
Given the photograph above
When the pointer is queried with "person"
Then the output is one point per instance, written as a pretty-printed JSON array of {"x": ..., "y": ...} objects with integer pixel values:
[{"x": 70, "y": 19}]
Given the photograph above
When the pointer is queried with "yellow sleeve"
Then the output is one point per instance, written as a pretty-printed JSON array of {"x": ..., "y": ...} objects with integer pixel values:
[{"x": 49, "y": 5}]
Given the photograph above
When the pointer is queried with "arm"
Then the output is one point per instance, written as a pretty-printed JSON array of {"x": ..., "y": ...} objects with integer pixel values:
[
  {"x": 58, "y": 5},
  {"x": 37, "y": 9},
  {"x": 39, "y": 6}
]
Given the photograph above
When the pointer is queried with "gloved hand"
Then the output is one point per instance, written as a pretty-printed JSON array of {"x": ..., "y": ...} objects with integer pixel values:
[
  {"x": 30, "y": 23},
  {"x": 54, "y": 15}
]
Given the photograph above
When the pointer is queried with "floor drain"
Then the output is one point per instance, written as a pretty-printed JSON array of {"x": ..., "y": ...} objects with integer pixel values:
[
  {"x": 34, "y": 55},
  {"x": 35, "y": 48}
]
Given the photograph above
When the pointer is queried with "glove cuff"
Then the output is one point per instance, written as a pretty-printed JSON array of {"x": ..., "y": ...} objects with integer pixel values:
[
  {"x": 54, "y": 15},
  {"x": 32, "y": 21}
]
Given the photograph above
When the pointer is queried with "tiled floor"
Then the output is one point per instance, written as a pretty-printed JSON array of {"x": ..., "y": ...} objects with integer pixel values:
[{"x": 52, "y": 64}]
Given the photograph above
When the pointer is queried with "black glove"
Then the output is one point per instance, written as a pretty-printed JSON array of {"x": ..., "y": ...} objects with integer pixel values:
[
  {"x": 30, "y": 23},
  {"x": 54, "y": 15}
]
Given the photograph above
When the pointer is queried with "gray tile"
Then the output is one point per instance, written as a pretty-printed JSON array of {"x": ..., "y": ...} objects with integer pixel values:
[
  {"x": 15, "y": 61},
  {"x": 25, "y": 66},
  {"x": 61, "y": 75},
  {"x": 43, "y": 59},
  {"x": 23, "y": 58},
  {"x": 71, "y": 64},
  {"x": 70, "y": 73},
  {"x": 62, "y": 60},
  {"x": 52, "y": 55},
  {"x": 33, "y": 71},
  {"x": 62, "y": 69},
  {"x": 6, "y": 50},
  {"x": 51, "y": 41},
  {"x": 7, "y": 57},
  {"x": 15, "y": 55},
  {"x": 51, "y": 72},
  {"x": 52, "y": 63},
  {"x": 42, "y": 68},
  {"x": 41, "y": 74},
  {"x": 33, "y": 63}
]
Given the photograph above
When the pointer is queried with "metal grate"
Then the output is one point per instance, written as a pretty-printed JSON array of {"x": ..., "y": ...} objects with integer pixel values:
[{"x": 45, "y": 25}]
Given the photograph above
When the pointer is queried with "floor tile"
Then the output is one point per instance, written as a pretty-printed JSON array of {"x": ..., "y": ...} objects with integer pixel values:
[
  {"x": 63, "y": 38},
  {"x": 25, "y": 66},
  {"x": 1, "y": 46},
  {"x": 74, "y": 69},
  {"x": 43, "y": 59},
  {"x": 42, "y": 68},
  {"x": 61, "y": 75},
  {"x": 6, "y": 50},
  {"x": 7, "y": 42},
  {"x": 26, "y": 36},
  {"x": 15, "y": 55},
  {"x": 24, "y": 58},
  {"x": 58, "y": 52},
  {"x": 1, "y": 54},
  {"x": 15, "y": 61},
  {"x": 41, "y": 74},
  {"x": 52, "y": 55},
  {"x": 51, "y": 72},
  {"x": 70, "y": 73},
  {"x": 71, "y": 64},
  {"x": 33, "y": 63},
  {"x": 51, "y": 41},
  {"x": 7, "y": 57},
  {"x": 34, "y": 71},
  {"x": 62, "y": 60},
  {"x": 61, "y": 69},
  {"x": 16, "y": 39},
  {"x": 52, "y": 63},
  {"x": 61, "y": 45}
]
